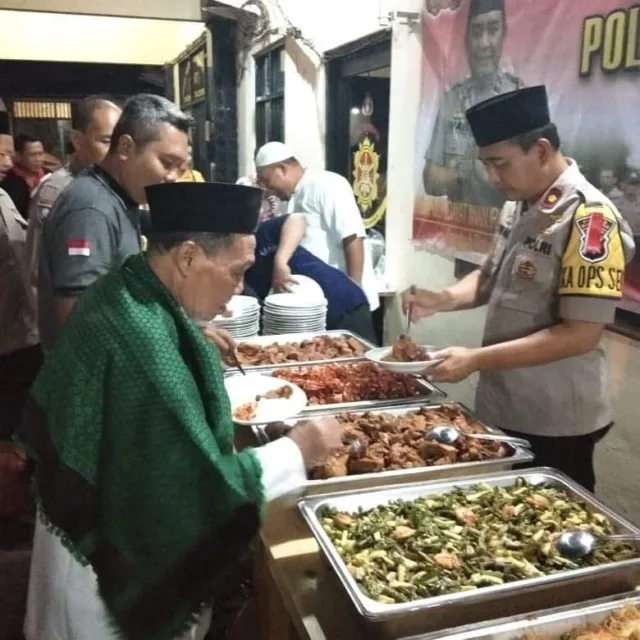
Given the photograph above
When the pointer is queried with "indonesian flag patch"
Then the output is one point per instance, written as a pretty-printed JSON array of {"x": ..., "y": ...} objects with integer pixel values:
[{"x": 78, "y": 248}]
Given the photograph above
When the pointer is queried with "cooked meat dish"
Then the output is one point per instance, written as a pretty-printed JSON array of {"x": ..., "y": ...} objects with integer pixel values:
[
  {"x": 389, "y": 442},
  {"x": 249, "y": 410},
  {"x": 623, "y": 623},
  {"x": 339, "y": 383},
  {"x": 283, "y": 392},
  {"x": 404, "y": 349},
  {"x": 318, "y": 348}
]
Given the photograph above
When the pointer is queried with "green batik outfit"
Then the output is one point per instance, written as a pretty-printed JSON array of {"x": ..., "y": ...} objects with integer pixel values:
[{"x": 137, "y": 473}]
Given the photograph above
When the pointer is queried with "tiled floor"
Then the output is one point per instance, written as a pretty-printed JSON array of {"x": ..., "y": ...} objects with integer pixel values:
[{"x": 618, "y": 456}]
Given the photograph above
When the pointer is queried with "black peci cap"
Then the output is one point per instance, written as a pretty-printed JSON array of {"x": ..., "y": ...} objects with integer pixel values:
[
  {"x": 203, "y": 207},
  {"x": 476, "y": 7},
  {"x": 508, "y": 115}
]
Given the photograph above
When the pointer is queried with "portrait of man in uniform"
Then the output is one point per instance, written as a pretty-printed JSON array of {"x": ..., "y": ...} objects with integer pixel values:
[
  {"x": 608, "y": 183},
  {"x": 451, "y": 166},
  {"x": 629, "y": 201}
]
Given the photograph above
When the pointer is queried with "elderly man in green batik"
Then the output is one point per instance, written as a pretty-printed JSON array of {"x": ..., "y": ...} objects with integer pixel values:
[{"x": 145, "y": 508}]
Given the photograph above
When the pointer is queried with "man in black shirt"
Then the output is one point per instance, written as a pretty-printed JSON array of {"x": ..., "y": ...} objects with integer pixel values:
[
  {"x": 27, "y": 172},
  {"x": 278, "y": 260},
  {"x": 94, "y": 225}
]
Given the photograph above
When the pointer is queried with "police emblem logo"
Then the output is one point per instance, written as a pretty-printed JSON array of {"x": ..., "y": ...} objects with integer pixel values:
[
  {"x": 595, "y": 236},
  {"x": 551, "y": 198},
  {"x": 527, "y": 270}
]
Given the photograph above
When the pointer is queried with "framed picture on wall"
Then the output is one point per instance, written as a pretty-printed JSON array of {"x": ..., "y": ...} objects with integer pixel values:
[
  {"x": 186, "y": 92},
  {"x": 198, "y": 75}
]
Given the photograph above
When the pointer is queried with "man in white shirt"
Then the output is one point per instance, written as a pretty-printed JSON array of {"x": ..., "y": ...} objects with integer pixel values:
[{"x": 335, "y": 231}]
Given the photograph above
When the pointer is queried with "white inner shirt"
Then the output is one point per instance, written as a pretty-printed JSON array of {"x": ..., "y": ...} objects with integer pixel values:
[{"x": 332, "y": 215}]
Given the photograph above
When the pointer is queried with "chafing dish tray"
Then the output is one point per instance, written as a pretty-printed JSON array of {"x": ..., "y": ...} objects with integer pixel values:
[
  {"x": 370, "y": 619},
  {"x": 519, "y": 455},
  {"x": 290, "y": 338},
  {"x": 428, "y": 393},
  {"x": 551, "y": 624}
]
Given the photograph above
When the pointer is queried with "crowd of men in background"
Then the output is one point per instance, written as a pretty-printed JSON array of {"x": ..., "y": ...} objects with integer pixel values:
[
  {"x": 60, "y": 231},
  {"x": 98, "y": 190}
]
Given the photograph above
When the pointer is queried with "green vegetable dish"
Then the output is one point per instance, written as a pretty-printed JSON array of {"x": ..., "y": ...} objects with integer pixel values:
[{"x": 463, "y": 540}]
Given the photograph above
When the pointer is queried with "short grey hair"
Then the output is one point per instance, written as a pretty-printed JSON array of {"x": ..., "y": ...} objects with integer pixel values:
[
  {"x": 142, "y": 116},
  {"x": 210, "y": 243}
]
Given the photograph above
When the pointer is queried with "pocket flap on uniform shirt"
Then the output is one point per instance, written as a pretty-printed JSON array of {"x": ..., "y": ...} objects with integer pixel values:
[
  {"x": 19, "y": 219},
  {"x": 530, "y": 287}
]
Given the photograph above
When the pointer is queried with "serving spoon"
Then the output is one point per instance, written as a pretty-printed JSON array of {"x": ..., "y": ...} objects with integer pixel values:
[
  {"x": 446, "y": 434},
  {"x": 236, "y": 361},
  {"x": 576, "y": 543}
]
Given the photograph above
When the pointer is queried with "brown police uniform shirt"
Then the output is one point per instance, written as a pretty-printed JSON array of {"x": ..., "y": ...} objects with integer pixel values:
[
  {"x": 40, "y": 204},
  {"x": 18, "y": 319},
  {"x": 453, "y": 145},
  {"x": 561, "y": 259}
]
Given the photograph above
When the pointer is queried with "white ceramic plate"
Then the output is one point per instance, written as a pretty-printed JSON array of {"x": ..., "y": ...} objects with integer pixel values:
[
  {"x": 304, "y": 286},
  {"x": 240, "y": 306},
  {"x": 292, "y": 320},
  {"x": 243, "y": 389},
  {"x": 245, "y": 317},
  {"x": 293, "y": 311},
  {"x": 295, "y": 328},
  {"x": 295, "y": 301},
  {"x": 415, "y": 368}
]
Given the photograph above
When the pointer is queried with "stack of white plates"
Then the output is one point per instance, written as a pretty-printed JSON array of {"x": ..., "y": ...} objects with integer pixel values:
[
  {"x": 244, "y": 321},
  {"x": 294, "y": 313}
]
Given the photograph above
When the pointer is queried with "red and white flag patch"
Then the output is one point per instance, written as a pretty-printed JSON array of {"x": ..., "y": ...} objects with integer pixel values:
[{"x": 78, "y": 248}]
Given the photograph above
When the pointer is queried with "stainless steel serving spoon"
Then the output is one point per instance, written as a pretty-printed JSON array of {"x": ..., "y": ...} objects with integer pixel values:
[
  {"x": 446, "y": 434},
  {"x": 576, "y": 543}
]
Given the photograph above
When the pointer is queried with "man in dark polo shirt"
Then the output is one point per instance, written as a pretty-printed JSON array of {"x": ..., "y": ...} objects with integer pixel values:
[
  {"x": 279, "y": 258},
  {"x": 94, "y": 225}
]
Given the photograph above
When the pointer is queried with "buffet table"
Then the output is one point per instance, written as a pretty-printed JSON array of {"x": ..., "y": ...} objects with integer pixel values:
[
  {"x": 286, "y": 580},
  {"x": 306, "y": 591},
  {"x": 289, "y": 596}
]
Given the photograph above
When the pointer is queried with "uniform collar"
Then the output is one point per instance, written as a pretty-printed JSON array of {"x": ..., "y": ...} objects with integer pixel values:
[
  {"x": 557, "y": 193},
  {"x": 73, "y": 167},
  {"x": 102, "y": 174}
]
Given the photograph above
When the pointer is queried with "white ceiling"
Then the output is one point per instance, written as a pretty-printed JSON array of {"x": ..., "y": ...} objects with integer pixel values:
[{"x": 162, "y": 9}]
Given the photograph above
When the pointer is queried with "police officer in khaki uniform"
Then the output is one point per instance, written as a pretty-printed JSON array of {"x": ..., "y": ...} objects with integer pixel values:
[
  {"x": 551, "y": 283},
  {"x": 451, "y": 166},
  {"x": 20, "y": 354},
  {"x": 92, "y": 123}
]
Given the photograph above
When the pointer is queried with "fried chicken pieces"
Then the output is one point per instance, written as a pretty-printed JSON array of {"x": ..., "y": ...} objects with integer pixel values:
[
  {"x": 318, "y": 348},
  {"x": 339, "y": 383},
  {"x": 398, "y": 442}
]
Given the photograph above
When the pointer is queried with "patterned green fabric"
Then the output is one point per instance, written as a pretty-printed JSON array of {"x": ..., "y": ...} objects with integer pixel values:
[{"x": 140, "y": 437}]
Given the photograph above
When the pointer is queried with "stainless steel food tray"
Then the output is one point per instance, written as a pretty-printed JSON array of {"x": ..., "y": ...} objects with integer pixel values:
[
  {"x": 430, "y": 394},
  {"x": 520, "y": 455},
  {"x": 371, "y": 619},
  {"x": 550, "y": 624},
  {"x": 289, "y": 338}
]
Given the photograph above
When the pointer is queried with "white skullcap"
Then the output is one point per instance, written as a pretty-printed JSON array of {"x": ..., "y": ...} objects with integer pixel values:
[{"x": 273, "y": 153}]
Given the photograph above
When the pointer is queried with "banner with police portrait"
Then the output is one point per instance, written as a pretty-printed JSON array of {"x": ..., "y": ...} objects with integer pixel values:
[{"x": 587, "y": 53}]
